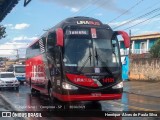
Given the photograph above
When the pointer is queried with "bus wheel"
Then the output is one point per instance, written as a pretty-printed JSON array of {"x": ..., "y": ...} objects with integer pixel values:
[
  {"x": 52, "y": 99},
  {"x": 34, "y": 91}
]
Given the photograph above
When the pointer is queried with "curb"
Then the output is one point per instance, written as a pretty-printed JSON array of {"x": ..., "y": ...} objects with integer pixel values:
[{"x": 140, "y": 94}]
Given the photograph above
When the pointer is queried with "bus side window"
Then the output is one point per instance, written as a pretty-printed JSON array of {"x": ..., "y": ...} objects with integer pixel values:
[
  {"x": 114, "y": 50},
  {"x": 53, "y": 53},
  {"x": 35, "y": 49},
  {"x": 52, "y": 49},
  {"x": 114, "y": 46},
  {"x": 51, "y": 45},
  {"x": 47, "y": 41},
  {"x": 51, "y": 41},
  {"x": 57, "y": 55}
]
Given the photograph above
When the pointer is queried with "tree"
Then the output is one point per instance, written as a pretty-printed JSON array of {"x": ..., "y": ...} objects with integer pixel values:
[
  {"x": 2, "y": 32},
  {"x": 155, "y": 49}
]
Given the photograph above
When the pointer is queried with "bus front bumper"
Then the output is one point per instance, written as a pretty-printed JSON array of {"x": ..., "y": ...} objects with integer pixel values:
[
  {"x": 21, "y": 78},
  {"x": 88, "y": 97}
]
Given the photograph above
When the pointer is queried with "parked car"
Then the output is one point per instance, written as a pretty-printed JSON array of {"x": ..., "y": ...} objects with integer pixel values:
[
  {"x": 7, "y": 79},
  {"x": 19, "y": 72}
]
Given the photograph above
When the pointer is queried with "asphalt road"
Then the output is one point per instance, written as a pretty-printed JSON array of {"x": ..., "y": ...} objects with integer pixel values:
[{"x": 22, "y": 100}]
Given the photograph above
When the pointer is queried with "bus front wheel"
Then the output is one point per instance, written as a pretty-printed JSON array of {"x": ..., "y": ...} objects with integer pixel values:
[
  {"x": 50, "y": 94},
  {"x": 52, "y": 99},
  {"x": 33, "y": 91}
]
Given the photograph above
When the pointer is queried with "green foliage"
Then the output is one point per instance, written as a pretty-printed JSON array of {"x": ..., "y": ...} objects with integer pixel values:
[
  {"x": 155, "y": 49},
  {"x": 2, "y": 32}
]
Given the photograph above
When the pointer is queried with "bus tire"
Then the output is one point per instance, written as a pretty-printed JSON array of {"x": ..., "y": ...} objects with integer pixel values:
[
  {"x": 33, "y": 91},
  {"x": 50, "y": 94}
]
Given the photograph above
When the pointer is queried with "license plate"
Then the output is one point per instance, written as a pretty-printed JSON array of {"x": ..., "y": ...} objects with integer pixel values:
[{"x": 96, "y": 94}]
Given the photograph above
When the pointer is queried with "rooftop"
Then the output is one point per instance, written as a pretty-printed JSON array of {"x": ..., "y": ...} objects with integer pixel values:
[{"x": 146, "y": 36}]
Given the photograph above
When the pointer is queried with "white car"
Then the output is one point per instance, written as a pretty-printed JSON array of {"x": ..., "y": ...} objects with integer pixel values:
[{"x": 7, "y": 79}]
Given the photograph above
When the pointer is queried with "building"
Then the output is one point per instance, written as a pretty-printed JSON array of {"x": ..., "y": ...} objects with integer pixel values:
[
  {"x": 140, "y": 46},
  {"x": 140, "y": 43}
]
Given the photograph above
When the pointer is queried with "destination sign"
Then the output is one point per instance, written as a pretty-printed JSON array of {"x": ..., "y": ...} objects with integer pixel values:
[{"x": 77, "y": 32}]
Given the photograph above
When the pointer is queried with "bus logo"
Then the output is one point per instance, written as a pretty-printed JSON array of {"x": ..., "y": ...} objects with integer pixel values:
[{"x": 87, "y": 22}]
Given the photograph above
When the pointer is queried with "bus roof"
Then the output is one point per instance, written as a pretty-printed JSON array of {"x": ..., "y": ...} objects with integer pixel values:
[{"x": 78, "y": 20}]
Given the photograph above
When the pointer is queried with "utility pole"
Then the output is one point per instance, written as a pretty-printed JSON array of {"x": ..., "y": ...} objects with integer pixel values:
[
  {"x": 17, "y": 55},
  {"x": 130, "y": 43}
]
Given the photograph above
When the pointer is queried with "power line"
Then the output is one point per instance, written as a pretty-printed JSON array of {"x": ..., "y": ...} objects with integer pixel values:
[
  {"x": 144, "y": 10},
  {"x": 142, "y": 21},
  {"x": 126, "y": 11},
  {"x": 142, "y": 16},
  {"x": 135, "y": 32},
  {"x": 147, "y": 8}
]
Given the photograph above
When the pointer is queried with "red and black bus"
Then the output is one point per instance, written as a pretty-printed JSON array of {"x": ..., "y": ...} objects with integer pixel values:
[{"x": 77, "y": 60}]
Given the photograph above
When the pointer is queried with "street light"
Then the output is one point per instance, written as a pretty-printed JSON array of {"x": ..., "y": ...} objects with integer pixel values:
[{"x": 26, "y": 2}]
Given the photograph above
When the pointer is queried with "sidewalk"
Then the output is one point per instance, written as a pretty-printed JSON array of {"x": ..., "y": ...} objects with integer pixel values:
[{"x": 143, "y": 88}]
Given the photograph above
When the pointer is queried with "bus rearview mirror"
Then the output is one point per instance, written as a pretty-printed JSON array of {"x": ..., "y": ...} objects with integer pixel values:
[
  {"x": 125, "y": 37},
  {"x": 59, "y": 37}
]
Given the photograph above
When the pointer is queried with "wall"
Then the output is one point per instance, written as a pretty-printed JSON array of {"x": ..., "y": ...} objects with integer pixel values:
[
  {"x": 137, "y": 44},
  {"x": 144, "y": 69},
  {"x": 151, "y": 42}
]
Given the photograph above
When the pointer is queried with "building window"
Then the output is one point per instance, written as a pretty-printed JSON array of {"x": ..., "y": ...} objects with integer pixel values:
[{"x": 143, "y": 47}]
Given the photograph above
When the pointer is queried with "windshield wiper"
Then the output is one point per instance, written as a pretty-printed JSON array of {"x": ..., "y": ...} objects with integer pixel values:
[
  {"x": 85, "y": 62},
  {"x": 97, "y": 56}
]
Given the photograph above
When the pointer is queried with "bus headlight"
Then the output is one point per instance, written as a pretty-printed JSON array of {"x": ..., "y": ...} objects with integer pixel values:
[
  {"x": 119, "y": 85},
  {"x": 68, "y": 86}
]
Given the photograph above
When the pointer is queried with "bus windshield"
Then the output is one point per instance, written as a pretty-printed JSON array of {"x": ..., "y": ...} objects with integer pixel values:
[
  {"x": 87, "y": 49},
  {"x": 20, "y": 69}
]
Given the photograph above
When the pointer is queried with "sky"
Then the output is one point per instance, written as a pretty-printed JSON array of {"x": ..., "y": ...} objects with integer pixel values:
[{"x": 26, "y": 24}]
